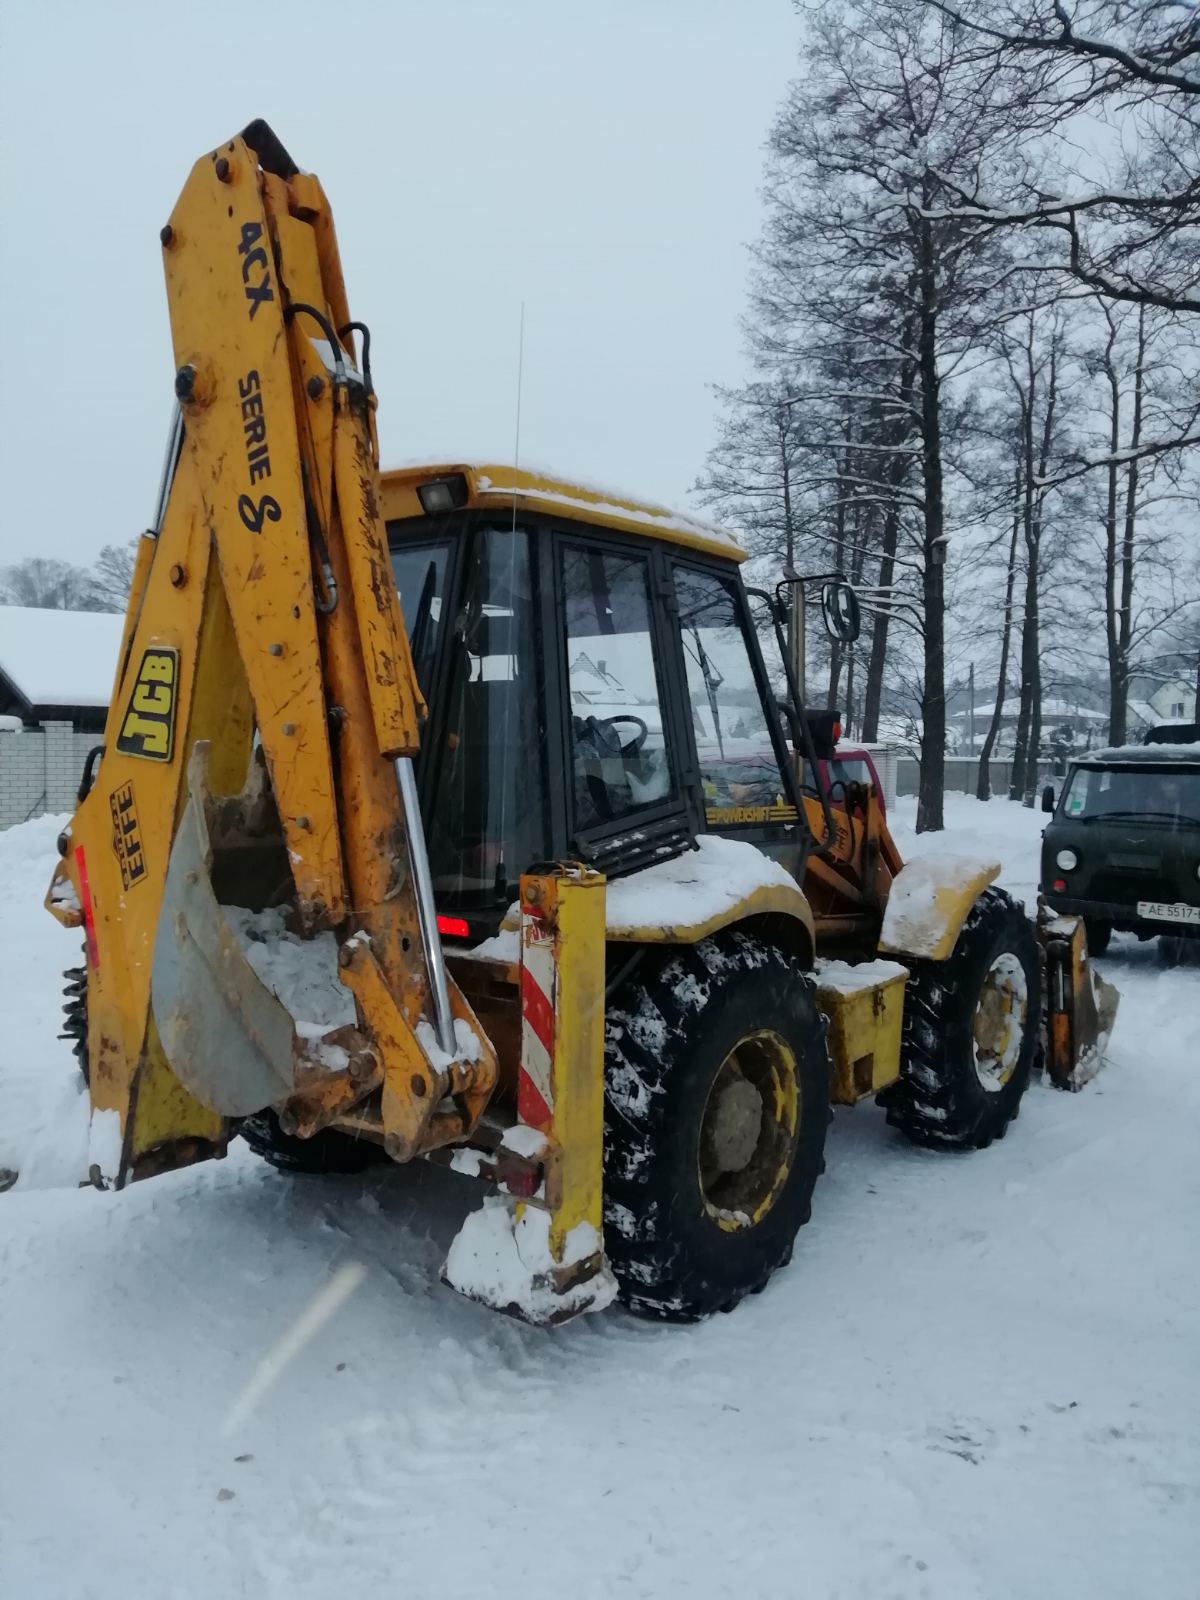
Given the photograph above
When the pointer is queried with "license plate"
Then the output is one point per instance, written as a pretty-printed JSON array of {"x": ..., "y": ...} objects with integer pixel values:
[{"x": 1159, "y": 911}]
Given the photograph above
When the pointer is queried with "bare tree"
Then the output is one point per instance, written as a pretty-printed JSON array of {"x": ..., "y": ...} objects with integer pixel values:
[
  {"x": 1034, "y": 368},
  {"x": 749, "y": 479},
  {"x": 1130, "y": 233},
  {"x": 983, "y": 785},
  {"x": 47, "y": 584},
  {"x": 1145, "y": 362},
  {"x": 111, "y": 576},
  {"x": 869, "y": 301}
]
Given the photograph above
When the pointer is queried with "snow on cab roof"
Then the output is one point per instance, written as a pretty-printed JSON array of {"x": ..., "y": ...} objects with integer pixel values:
[
  {"x": 1142, "y": 754},
  {"x": 491, "y": 483},
  {"x": 59, "y": 658}
]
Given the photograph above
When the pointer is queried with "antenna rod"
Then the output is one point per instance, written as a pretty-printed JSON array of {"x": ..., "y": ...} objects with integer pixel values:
[
  {"x": 520, "y": 378},
  {"x": 500, "y": 877}
]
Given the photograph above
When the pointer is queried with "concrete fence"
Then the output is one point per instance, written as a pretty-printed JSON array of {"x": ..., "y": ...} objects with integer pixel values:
[
  {"x": 40, "y": 769},
  {"x": 962, "y": 774},
  {"x": 900, "y": 773}
]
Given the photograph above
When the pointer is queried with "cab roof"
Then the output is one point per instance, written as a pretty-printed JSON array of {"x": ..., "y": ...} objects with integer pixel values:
[
  {"x": 1142, "y": 755},
  {"x": 491, "y": 487}
]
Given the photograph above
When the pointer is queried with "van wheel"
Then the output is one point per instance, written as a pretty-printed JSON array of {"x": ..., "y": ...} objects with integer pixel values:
[
  {"x": 716, "y": 1106},
  {"x": 971, "y": 1026},
  {"x": 1177, "y": 950}
]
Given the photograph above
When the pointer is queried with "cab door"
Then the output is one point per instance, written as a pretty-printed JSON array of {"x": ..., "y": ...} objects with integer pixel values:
[
  {"x": 732, "y": 729},
  {"x": 630, "y": 795}
]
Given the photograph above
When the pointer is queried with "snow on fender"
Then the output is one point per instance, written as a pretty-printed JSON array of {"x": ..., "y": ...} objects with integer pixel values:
[
  {"x": 929, "y": 901},
  {"x": 702, "y": 890}
]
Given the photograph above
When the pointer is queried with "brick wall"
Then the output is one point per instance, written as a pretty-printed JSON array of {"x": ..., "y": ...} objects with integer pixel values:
[{"x": 40, "y": 769}]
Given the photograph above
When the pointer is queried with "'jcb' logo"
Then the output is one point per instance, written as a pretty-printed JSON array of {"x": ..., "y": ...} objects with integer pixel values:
[{"x": 148, "y": 728}]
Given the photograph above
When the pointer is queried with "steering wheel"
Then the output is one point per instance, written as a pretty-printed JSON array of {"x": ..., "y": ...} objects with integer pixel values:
[{"x": 634, "y": 746}]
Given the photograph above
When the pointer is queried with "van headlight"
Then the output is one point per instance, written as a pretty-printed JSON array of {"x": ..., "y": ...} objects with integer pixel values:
[{"x": 1068, "y": 860}]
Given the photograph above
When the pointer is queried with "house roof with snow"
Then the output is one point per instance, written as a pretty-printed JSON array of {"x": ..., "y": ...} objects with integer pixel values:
[
  {"x": 57, "y": 661},
  {"x": 1062, "y": 710},
  {"x": 605, "y": 681}
]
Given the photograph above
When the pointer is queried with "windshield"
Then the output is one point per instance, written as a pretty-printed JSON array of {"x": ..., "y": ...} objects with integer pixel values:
[{"x": 1159, "y": 794}]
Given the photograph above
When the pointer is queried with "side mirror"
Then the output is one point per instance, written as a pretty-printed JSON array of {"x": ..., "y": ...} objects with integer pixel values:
[
  {"x": 840, "y": 611},
  {"x": 825, "y": 727},
  {"x": 1048, "y": 797}
]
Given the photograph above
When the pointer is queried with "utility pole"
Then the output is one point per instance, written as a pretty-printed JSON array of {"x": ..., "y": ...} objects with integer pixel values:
[
  {"x": 796, "y": 631},
  {"x": 849, "y": 728},
  {"x": 971, "y": 721}
]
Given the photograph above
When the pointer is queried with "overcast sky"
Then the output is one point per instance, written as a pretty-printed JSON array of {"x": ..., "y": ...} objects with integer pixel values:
[{"x": 601, "y": 162}]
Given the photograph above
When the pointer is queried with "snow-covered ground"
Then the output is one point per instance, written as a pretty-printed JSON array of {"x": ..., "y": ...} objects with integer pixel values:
[{"x": 979, "y": 1377}]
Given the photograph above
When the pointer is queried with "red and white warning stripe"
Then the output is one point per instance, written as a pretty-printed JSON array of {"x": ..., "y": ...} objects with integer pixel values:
[{"x": 535, "y": 1089}]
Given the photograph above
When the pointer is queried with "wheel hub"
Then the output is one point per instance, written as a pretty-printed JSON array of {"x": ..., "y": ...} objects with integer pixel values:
[
  {"x": 749, "y": 1130},
  {"x": 733, "y": 1125}
]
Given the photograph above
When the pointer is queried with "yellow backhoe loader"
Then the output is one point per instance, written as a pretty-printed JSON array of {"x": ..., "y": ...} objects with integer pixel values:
[{"x": 547, "y": 885}]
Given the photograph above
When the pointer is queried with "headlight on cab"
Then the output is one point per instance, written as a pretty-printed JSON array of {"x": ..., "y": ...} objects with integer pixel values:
[{"x": 1068, "y": 860}]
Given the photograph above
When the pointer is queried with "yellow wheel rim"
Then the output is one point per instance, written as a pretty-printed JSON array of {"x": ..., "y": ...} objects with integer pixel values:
[
  {"x": 749, "y": 1130},
  {"x": 999, "y": 1024}
]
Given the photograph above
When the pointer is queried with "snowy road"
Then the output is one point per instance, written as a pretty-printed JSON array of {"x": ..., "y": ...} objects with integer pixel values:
[{"x": 979, "y": 1377}]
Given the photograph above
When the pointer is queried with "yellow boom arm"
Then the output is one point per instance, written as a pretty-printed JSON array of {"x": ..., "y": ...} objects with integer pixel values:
[{"x": 259, "y": 741}]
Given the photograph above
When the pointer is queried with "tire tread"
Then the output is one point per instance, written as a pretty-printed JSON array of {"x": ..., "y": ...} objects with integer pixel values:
[{"x": 934, "y": 1102}]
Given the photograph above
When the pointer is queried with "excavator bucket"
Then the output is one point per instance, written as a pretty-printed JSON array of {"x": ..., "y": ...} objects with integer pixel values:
[
  {"x": 1080, "y": 1005},
  {"x": 226, "y": 1037}
]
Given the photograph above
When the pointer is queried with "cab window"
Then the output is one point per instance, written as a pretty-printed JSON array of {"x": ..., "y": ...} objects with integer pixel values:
[
  {"x": 739, "y": 764},
  {"x": 620, "y": 759}
]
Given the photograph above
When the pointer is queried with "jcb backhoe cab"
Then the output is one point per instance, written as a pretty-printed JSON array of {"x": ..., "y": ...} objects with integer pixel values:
[
  {"x": 657, "y": 971},
  {"x": 595, "y": 686}
]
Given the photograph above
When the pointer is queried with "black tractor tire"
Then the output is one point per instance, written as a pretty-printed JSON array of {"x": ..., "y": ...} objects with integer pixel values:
[
  {"x": 1099, "y": 935},
  {"x": 75, "y": 1017},
  {"x": 671, "y": 1032},
  {"x": 940, "y": 1098},
  {"x": 326, "y": 1152}
]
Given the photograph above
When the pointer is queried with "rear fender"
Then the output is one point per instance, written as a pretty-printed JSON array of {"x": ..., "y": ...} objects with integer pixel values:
[{"x": 724, "y": 883}]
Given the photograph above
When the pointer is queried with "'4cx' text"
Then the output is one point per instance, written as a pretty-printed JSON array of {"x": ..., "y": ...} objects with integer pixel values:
[{"x": 255, "y": 262}]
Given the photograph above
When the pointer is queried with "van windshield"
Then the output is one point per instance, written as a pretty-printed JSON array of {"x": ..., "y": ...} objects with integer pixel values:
[{"x": 1162, "y": 794}]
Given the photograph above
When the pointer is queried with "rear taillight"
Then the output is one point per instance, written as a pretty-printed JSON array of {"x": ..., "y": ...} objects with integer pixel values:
[
  {"x": 524, "y": 1185},
  {"x": 453, "y": 928},
  {"x": 89, "y": 915},
  {"x": 519, "y": 1175},
  {"x": 1059, "y": 886}
]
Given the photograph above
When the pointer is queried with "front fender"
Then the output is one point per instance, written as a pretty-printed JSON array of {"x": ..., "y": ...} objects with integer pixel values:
[{"x": 928, "y": 903}]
